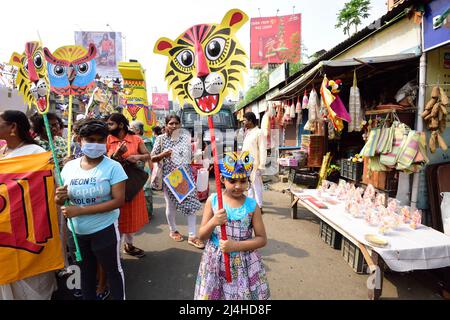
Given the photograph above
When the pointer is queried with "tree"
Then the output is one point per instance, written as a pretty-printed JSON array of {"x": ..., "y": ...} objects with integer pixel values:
[
  {"x": 255, "y": 91},
  {"x": 352, "y": 14}
]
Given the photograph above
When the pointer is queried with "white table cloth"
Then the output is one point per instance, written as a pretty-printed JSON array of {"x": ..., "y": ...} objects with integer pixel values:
[{"x": 408, "y": 249}]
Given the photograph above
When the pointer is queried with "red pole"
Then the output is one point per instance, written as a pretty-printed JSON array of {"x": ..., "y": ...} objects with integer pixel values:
[{"x": 219, "y": 193}]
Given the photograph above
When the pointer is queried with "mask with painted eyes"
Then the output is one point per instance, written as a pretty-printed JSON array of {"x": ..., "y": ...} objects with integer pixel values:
[
  {"x": 236, "y": 166},
  {"x": 32, "y": 78},
  {"x": 205, "y": 63},
  {"x": 71, "y": 69}
]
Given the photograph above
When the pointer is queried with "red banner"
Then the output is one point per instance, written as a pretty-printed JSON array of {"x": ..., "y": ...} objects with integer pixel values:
[
  {"x": 275, "y": 40},
  {"x": 160, "y": 101}
]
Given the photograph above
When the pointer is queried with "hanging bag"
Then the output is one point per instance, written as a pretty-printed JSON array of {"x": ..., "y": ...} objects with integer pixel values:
[
  {"x": 385, "y": 140},
  {"x": 137, "y": 178},
  {"x": 369, "y": 148},
  {"x": 389, "y": 159},
  {"x": 409, "y": 151}
]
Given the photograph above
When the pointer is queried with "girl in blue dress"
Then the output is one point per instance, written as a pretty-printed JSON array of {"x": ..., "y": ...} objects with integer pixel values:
[{"x": 243, "y": 219}]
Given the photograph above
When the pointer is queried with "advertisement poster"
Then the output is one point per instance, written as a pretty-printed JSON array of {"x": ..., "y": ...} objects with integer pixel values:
[
  {"x": 275, "y": 40},
  {"x": 160, "y": 101},
  {"x": 109, "y": 50}
]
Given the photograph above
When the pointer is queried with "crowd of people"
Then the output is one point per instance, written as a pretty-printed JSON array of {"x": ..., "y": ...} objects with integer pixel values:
[{"x": 108, "y": 159}]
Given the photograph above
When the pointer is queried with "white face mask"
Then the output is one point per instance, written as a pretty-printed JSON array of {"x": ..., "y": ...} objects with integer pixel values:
[{"x": 93, "y": 150}]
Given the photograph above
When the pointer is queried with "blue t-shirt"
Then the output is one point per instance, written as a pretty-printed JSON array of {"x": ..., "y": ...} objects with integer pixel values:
[{"x": 90, "y": 187}]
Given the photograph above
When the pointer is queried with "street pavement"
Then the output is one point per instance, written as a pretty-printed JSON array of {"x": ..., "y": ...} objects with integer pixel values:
[{"x": 299, "y": 264}]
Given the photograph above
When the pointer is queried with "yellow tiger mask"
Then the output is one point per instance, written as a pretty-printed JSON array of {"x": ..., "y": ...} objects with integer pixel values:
[
  {"x": 32, "y": 78},
  {"x": 205, "y": 63}
]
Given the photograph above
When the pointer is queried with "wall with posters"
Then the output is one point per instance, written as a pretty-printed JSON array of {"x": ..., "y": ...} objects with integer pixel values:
[
  {"x": 275, "y": 40},
  {"x": 109, "y": 50}
]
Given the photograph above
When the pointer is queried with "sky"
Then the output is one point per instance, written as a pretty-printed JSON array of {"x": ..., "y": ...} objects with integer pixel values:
[{"x": 142, "y": 22}]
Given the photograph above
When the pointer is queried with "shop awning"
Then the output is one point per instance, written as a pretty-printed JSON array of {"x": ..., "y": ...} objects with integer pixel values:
[{"x": 339, "y": 67}]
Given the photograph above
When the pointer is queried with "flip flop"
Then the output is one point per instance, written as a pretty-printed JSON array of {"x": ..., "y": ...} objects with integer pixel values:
[
  {"x": 196, "y": 243},
  {"x": 176, "y": 236}
]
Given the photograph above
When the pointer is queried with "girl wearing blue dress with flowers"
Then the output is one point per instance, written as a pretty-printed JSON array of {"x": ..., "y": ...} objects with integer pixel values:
[{"x": 242, "y": 218}]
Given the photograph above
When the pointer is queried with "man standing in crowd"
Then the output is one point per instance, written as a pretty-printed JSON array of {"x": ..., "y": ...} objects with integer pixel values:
[{"x": 256, "y": 144}]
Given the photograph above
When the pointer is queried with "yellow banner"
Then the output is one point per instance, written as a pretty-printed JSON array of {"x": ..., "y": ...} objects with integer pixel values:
[{"x": 30, "y": 241}]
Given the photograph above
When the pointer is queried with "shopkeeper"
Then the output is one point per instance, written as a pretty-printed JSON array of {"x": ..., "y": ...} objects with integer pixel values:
[{"x": 255, "y": 143}]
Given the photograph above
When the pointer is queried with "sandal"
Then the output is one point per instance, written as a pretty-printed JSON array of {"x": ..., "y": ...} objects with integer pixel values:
[
  {"x": 196, "y": 242},
  {"x": 176, "y": 236},
  {"x": 133, "y": 251}
]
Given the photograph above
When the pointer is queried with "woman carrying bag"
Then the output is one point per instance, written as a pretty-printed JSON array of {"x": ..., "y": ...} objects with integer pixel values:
[
  {"x": 127, "y": 148},
  {"x": 173, "y": 150}
]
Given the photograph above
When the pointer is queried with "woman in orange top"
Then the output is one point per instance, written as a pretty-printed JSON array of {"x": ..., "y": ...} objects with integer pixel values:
[{"x": 122, "y": 144}]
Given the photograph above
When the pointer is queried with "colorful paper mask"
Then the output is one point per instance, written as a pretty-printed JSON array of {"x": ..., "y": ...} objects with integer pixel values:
[
  {"x": 71, "y": 69},
  {"x": 32, "y": 79},
  {"x": 205, "y": 63},
  {"x": 236, "y": 166}
]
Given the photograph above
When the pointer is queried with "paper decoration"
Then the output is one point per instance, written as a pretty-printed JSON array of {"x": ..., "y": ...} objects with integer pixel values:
[
  {"x": 335, "y": 107},
  {"x": 71, "y": 69},
  {"x": 32, "y": 80},
  {"x": 29, "y": 235},
  {"x": 205, "y": 63},
  {"x": 236, "y": 166},
  {"x": 134, "y": 96},
  {"x": 179, "y": 183}
]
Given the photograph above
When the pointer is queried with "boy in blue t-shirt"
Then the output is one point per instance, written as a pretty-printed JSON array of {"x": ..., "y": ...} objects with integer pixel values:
[{"x": 95, "y": 187}]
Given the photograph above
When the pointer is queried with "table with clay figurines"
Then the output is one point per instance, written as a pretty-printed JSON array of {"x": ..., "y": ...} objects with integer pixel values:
[{"x": 387, "y": 233}]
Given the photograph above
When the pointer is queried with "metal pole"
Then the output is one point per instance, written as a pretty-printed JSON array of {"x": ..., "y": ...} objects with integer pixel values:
[{"x": 419, "y": 121}]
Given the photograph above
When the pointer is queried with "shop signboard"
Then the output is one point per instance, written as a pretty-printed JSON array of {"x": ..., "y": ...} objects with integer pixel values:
[
  {"x": 278, "y": 75},
  {"x": 109, "y": 50},
  {"x": 436, "y": 26},
  {"x": 275, "y": 40}
]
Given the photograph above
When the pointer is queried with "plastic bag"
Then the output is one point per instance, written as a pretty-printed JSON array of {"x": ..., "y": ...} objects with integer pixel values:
[
  {"x": 202, "y": 180},
  {"x": 445, "y": 212}
]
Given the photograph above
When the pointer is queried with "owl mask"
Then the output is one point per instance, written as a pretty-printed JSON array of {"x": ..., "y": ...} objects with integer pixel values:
[
  {"x": 236, "y": 166},
  {"x": 71, "y": 69},
  {"x": 205, "y": 63},
  {"x": 32, "y": 80}
]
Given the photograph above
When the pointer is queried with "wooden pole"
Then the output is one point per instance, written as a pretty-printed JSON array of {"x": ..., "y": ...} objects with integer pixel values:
[{"x": 219, "y": 194}]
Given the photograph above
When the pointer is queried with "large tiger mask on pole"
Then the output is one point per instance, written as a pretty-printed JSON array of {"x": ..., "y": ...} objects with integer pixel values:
[
  {"x": 205, "y": 63},
  {"x": 32, "y": 77}
]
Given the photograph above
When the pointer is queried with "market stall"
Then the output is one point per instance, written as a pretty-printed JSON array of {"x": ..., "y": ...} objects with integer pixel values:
[{"x": 390, "y": 235}]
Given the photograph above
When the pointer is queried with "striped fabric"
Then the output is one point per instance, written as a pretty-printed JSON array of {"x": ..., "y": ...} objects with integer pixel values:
[
  {"x": 390, "y": 159},
  {"x": 369, "y": 148},
  {"x": 133, "y": 215},
  {"x": 408, "y": 151}
]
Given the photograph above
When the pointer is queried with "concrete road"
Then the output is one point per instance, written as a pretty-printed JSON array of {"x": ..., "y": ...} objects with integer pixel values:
[{"x": 299, "y": 264}]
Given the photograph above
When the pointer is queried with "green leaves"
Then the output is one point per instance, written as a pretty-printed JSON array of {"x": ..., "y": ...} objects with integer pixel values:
[{"x": 353, "y": 13}]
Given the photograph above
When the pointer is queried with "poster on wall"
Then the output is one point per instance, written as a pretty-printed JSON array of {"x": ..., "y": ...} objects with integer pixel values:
[
  {"x": 109, "y": 50},
  {"x": 275, "y": 40}
]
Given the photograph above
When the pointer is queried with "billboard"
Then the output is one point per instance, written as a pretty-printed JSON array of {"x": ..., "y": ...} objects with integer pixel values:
[
  {"x": 160, "y": 101},
  {"x": 109, "y": 50},
  {"x": 275, "y": 40}
]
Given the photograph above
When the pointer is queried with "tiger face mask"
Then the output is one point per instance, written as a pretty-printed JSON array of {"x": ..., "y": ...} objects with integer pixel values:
[
  {"x": 205, "y": 63},
  {"x": 32, "y": 78}
]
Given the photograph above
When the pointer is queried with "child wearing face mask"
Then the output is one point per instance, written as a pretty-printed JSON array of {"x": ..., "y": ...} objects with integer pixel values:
[
  {"x": 242, "y": 217},
  {"x": 94, "y": 185}
]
